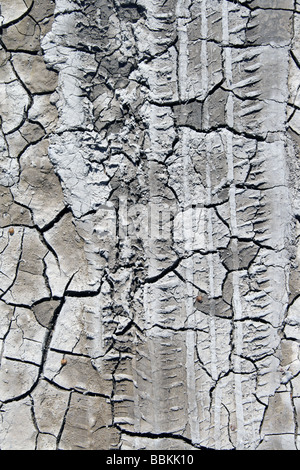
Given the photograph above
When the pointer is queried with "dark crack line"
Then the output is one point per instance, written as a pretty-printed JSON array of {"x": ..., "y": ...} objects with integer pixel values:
[
  {"x": 17, "y": 267},
  {"x": 163, "y": 273},
  {"x": 62, "y": 427},
  {"x": 162, "y": 435},
  {"x": 46, "y": 345},
  {"x": 219, "y": 127}
]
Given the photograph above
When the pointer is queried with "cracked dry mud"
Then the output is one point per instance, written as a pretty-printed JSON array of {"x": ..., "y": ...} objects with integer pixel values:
[{"x": 150, "y": 223}]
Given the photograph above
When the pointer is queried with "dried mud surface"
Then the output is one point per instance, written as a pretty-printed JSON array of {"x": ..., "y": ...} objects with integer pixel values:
[{"x": 149, "y": 224}]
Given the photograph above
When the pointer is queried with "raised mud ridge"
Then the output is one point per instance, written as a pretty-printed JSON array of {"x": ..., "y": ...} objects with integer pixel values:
[{"x": 150, "y": 223}]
